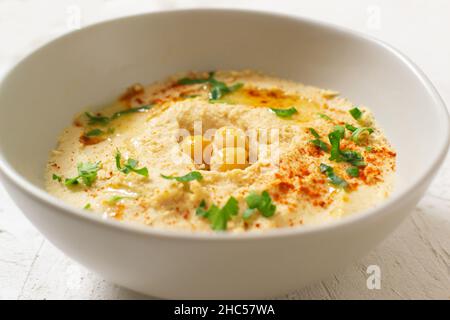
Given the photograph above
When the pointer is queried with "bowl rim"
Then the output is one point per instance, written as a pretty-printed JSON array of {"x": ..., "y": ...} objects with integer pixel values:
[{"x": 75, "y": 213}]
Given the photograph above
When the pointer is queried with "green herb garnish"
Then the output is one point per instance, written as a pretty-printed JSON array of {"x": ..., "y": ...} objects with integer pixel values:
[
  {"x": 114, "y": 199},
  {"x": 201, "y": 210},
  {"x": 189, "y": 81},
  {"x": 98, "y": 132},
  {"x": 131, "y": 110},
  {"x": 314, "y": 133},
  {"x": 263, "y": 203},
  {"x": 284, "y": 113},
  {"x": 129, "y": 166},
  {"x": 219, "y": 217},
  {"x": 353, "y": 172},
  {"x": 56, "y": 177},
  {"x": 94, "y": 133},
  {"x": 87, "y": 206},
  {"x": 317, "y": 142},
  {"x": 320, "y": 144},
  {"x": 340, "y": 131},
  {"x": 335, "y": 138},
  {"x": 217, "y": 88},
  {"x": 352, "y": 157},
  {"x": 87, "y": 172},
  {"x": 71, "y": 181},
  {"x": 194, "y": 175},
  {"x": 103, "y": 120},
  {"x": 97, "y": 119},
  {"x": 324, "y": 116},
  {"x": 338, "y": 155},
  {"x": 248, "y": 213},
  {"x": 357, "y": 134},
  {"x": 332, "y": 177},
  {"x": 351, "y": 128},
  {"x": 356, "y": 113}
]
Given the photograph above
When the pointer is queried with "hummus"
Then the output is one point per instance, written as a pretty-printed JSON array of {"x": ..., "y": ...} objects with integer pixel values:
[{"x": 234, "y": 151}]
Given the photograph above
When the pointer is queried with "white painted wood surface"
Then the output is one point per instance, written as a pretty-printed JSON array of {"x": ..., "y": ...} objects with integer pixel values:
[{"x": 414, "y": 261}]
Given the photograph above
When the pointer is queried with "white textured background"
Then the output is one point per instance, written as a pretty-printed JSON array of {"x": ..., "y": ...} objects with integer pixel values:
[{"x": 414, "y": 261}]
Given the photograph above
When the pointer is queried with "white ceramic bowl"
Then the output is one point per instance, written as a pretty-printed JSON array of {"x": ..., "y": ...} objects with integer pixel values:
[{"x": 39, "y": 97}]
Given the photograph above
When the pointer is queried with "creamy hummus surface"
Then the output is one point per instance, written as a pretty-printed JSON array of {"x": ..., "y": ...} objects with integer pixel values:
[{"x": 223, "y": 151}]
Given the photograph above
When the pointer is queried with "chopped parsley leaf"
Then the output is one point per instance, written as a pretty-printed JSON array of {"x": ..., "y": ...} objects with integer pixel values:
[
  {"x": 217, "y": 88},
  {"x": 340, "y": 130},
  {"x": 353, "y": 172},
  {"x": 338, "y": 155},
  {"x": 56, "y": 177},
  {"x": 263, "y": 203},
  {"x": 332, "y": 177},
  {"x": 352, "y": 157},
  {"x": 103, "y": 120},
  {"x": 284, "y": 113},
  {"x": 129, "y": 166},
  {"x": 189, "y": 81},
  {"x": 194, "y": 175},
  {"x": 201, "y": 210},
  {"x": 356, "y": 113},
  {"x": 219, "y": 217},
  {"x": 335, "y": 138},
  {"x": 324, "y": 116},
  {"x": 317, "y": 142},
  {"x": 314, "y": 133},
  {"x": 87, "y": 172},
  {"x": 94, "y": 133},
  {"x": 320, "y": 144},
  {"x": 248, "y": 213},
  {"x": 97, "y": 119},
  {"x": 71, "y": 181},
  {"x": 351, "y": 128},
  {"x": 114, "y": 199}
]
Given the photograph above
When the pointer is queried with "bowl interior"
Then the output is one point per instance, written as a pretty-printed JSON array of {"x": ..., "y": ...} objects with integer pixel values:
[{"x": 92, "y": 66}]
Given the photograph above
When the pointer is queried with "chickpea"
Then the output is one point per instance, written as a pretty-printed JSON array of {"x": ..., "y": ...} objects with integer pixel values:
[
  {"x": 229, "y": 158},
  {"x": 195, "y": 147},
  {"x": 229, "y": 137}
]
